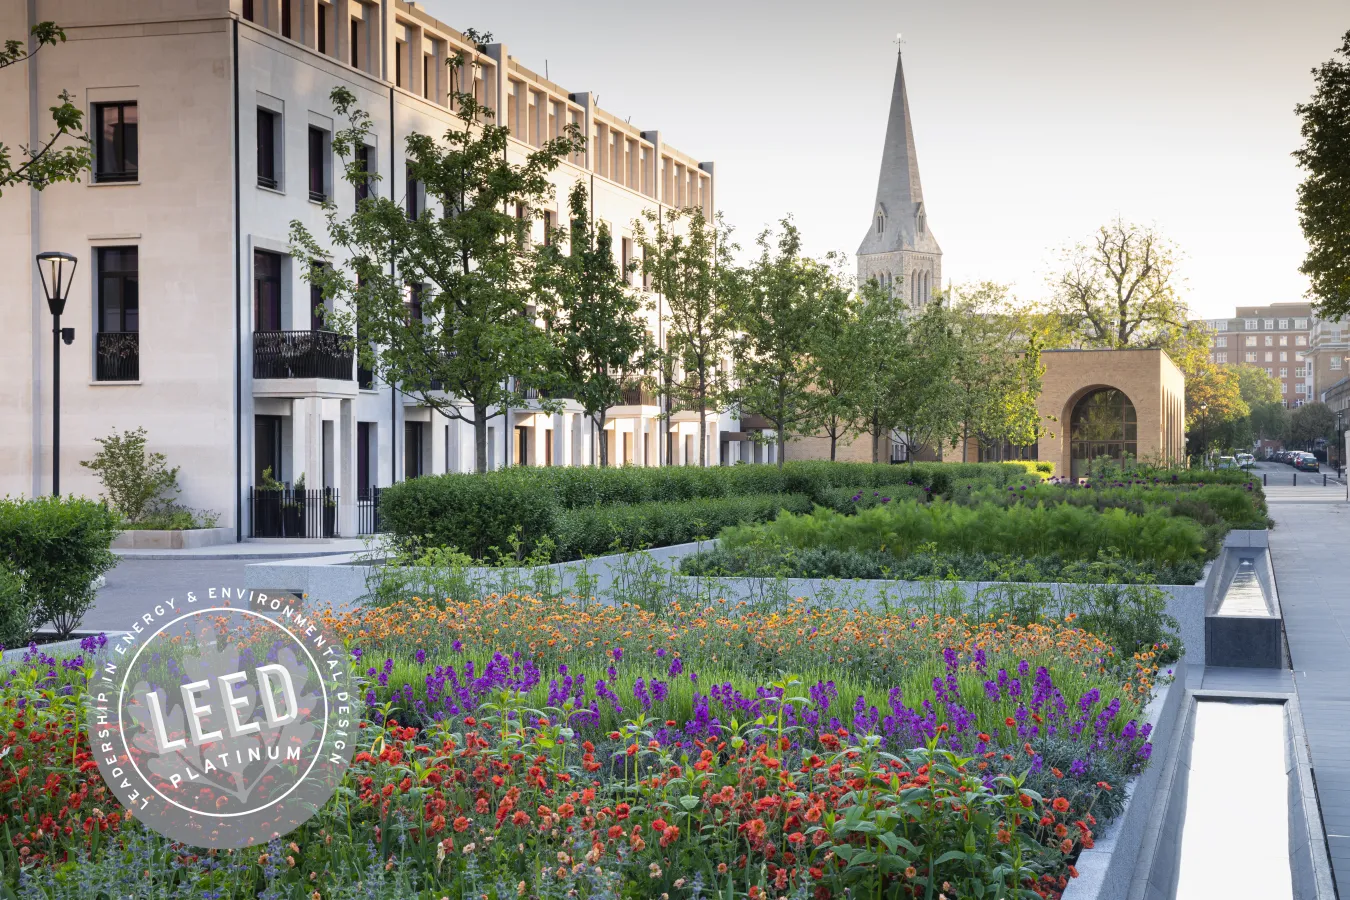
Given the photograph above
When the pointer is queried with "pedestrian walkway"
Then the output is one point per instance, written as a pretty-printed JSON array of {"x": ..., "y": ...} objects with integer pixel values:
[
  {"x": 280, "y": 548},
  {"x": 1308, "y": 549}
]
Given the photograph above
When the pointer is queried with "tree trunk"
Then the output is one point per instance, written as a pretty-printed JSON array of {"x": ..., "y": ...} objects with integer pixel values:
[
  {"x": 834, "y": 443},
  {"x": 600, "y": 441},
  {"x": 965, "y": 442},
  {"x": 876, "y": 438},
  {"x": 782, "y": 442},
  {"x": 702, "y": 427},
  {"x": 480, "y": 438}
]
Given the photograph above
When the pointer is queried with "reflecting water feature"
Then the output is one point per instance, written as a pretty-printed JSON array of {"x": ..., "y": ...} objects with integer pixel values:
[
  {"x": 1235, "y": 839},
  {"x": 1246, "y": 596}
]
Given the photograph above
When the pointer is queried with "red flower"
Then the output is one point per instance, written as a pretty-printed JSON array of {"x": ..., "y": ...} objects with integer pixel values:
[{"x": 1060, "y": 804}]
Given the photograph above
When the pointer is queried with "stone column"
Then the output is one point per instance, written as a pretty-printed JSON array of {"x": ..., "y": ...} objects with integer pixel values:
[{"x": 345, "y": 454}]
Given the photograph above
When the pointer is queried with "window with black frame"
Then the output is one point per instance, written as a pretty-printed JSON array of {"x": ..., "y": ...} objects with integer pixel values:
[
  {"x": 116, "y": 142},
  {"x": 266, "y": 291},
  {"x": 267, "y": 149},
  {"x": 1103, "y": 424},
  {"x": 117, "y": 350}
]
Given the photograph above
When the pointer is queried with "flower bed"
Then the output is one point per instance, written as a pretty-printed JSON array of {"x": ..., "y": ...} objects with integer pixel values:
[{"x": 524, "y": 747}]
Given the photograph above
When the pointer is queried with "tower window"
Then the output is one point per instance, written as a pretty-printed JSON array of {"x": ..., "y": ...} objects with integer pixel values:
[{"x": 881, "y": 222}]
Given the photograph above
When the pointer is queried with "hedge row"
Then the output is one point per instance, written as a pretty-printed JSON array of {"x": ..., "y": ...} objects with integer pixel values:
[
  {"x": 595, "y": 530},
  {"x": 476, "y": 513}
]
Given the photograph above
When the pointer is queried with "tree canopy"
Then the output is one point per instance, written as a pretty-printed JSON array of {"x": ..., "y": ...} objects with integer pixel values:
[
  {"x": 1324, "y": 195},
  {"x": 65, "y": 153}
]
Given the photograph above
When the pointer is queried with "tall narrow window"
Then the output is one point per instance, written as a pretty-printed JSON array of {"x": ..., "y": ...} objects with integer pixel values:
[
  {"x": 412, "y": 449},
  {"x": 267, "y": 149},
  {"x": 285, "y": 18},
  {"x": 414, "y": 312},
  {"x": 248, "y": 10},
  {"x": 323, "y": 28},
  {"x": 414, "y": 200},
  {"x": 317, "y": 306},
  {"x": 356, "y": 40},
  {"x": 550, "y": 223},
  {"x": 627, "y": 260},
  {"x": 398, "y": 63},
  {"x": 318, "y": 146},
  {"x": 363, "y": 479},
  {"x": 426, "y": 80},
  {"x": 115, "y": 148},
  {"x": 118, "y": 342},
  {"x": 266, "y": 291},
  {"x": 365, "y": 155}
]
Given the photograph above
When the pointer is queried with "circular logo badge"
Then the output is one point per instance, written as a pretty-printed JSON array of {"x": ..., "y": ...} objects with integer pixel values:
[{"x": 223, "y": 718}]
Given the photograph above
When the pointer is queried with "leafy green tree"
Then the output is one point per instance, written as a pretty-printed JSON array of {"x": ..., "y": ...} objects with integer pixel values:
[
  {"x": 1270, "y": 421},
  {"x": 45, "y": 164},
  {"x": 441, "y": 305},
  {"x": 1324, "y": 196},
  {"x": 689, "y": 261},
  {"x": 996, "y": 371},
  {"x": 593, "y": 315},
  {"x": 1312, "y": 422},
  {"x": 839, "y": 345},
  {"x": 920, "y": 400},
  {"x": 1120, "y": 289},
  {"x": 785, "y": 299},
  {"x": 1256, "y": 386}
]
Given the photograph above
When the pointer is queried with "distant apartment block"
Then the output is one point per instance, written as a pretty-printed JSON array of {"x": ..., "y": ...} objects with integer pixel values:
[{"x": 1277, "y": 337}]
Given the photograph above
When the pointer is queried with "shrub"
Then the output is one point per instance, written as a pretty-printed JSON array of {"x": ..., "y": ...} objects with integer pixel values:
[
  {"x": 850, "y": 500},
  {"x": 594, "y": 530},
  {"x": 58, "y": 546},
  {"x": 1072, "y": 532},
  {"x": 134, "y": 480},
  {"x": 15, "y": 620},
  {"x": 476, "y": 512}
]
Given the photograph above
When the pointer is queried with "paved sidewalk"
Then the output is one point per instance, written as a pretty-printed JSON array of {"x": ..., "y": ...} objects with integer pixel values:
[
  {"x": 1309, "y": 550},
  {"x": 279, "y": 548}
]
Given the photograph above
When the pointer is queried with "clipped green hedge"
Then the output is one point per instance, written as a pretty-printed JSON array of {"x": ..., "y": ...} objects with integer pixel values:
[
  {"x": 596, "y": 530},
  {"x": 57, "y": 546},
  {"x": 476, "y": 513}
]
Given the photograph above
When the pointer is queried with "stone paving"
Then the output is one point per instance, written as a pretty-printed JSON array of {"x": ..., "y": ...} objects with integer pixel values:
[{"x": 1307, "y": 545}]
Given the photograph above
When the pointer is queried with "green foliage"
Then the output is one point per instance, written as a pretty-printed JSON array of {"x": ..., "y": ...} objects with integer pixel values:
[
  {"x": 688, "y": 259},
  {"x": 1324, "y": 195},
  {"x": 785, "y": 297},
  {"x": 593, "y": 530},
  {"x": 475, "y": 345},
  {"x": 602, "y": 345},
  {"x": 45, "y": 163},
  {"x": 135, "y": 481},
  {"x": 476, "y": 512},
  {"x": 1311, "y": 422},
  {"x": 1072, "y": 532},
  {"x": 16, "y": 622},
  {"x": 58, "y": 546}
]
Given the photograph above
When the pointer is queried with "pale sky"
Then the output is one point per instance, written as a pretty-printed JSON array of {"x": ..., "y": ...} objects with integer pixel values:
[{"x": 1035, "y": 121}]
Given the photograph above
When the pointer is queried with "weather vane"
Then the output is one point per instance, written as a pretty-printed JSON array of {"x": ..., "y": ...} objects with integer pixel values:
[{"x": 899, "y": 40}]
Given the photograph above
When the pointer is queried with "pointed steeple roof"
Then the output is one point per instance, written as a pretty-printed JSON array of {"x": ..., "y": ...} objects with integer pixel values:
[{"x": 899, "y": 192}]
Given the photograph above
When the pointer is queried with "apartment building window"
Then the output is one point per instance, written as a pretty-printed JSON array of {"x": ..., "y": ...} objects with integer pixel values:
[
  {"x": 318, "y": 307},
  {"x": 398, "y": 64},
  {"x": 322, "y": 28},
  {"x": 1335, "y": 363},
  {"x": 1284, "y": 323},
  {"x": 366, "y": 157},
  {"x": 1251, "y": 341},
  {"x": 248, "y": 10},
  {"x": 627, "y": 251},
  {"x": 1251, "y": 357},
  {"x": 356, "y": 42},
  {"x": 268, "y": 154},
  {"x": 1300, "y": 324},
  {"x": 412, "y": 449},
  {"x": 115, "y": 142},
  {"x": 1270, "y": 372},
  {"x": 1269, "y": 357},
  {"x": 118, "y": 343},
  {"x": 286, "y": 18},
  {"x": 1301, "y": 341},
  {"x": 1284, "y": 387},
  {"x": 1270, "y": 340},
  {"x": 1284, "y": 340},
  {"x": 1221, "y": 342},
  {"x": 1270, "y": 324},
  {"x": 413, "y": 313},
  {"x": 1221, "y": 325},
  {"x": 1221, "y": 357},
  {"x": 318, "y": 175},
  {"x": 1301, "y": 372},
  {"x": 1301, "y": 388},
  {"x": 550, "y": 223},
  {"x": 1284, "y": 356},
  {"x": 1284, "y": 372},
  {"x": 1250, "y": 324},
  {"x": 266, "y": 291},
  {"x": 413, "y": 201},
  {"x": 426, "y": 93}
]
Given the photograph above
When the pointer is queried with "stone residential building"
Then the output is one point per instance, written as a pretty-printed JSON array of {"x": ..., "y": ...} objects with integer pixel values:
[
  {"x": 1276, "y": 337},
  {"x": 1328, "y": 357},
  {"x": 212, "y": 132}
]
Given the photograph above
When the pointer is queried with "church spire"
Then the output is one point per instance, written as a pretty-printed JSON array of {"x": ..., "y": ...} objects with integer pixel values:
[{"x": 898, "y": 216}]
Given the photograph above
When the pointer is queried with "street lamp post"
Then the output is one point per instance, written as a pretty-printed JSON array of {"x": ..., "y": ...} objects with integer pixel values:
[
  {"x": 57, "y": 271},
  {"x": 1340, "y": 439}
]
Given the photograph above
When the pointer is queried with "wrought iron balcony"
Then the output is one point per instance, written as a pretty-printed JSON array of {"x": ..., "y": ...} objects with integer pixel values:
[
  {"x": 118, "y": 356},
  {"x": 636, "y": 395},
  {"x": 301, "y": 354}
]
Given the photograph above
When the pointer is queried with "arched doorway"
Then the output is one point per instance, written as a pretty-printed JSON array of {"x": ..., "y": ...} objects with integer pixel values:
[{"x": 1103, "y": 423}]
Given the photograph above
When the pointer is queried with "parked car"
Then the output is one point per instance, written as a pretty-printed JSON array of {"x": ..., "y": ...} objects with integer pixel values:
[
  {"x": 1306, "y": 462},
  {"x": 1246, "y": 460},
  {"x": 1226, "y": 462}
]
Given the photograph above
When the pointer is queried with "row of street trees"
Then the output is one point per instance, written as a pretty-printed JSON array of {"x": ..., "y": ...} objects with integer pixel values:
[{"x": 460, "y": 309}]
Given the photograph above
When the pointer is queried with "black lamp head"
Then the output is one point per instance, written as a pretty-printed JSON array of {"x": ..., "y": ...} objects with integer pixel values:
[{"x": 57, "y": 271}]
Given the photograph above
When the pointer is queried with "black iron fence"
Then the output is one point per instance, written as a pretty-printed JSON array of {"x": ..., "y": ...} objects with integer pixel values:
[
  {"x": 301, "y": 354},
  {"x": 293, "y": 514},
  {"x": 368, "y": 511},
  {"x": 118, "y": 356}
]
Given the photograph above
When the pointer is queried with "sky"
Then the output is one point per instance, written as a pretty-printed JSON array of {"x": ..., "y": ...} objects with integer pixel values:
[{"x": 1035, "y": 121}]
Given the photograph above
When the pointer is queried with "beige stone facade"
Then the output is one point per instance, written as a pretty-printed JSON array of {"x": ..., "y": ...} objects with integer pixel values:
[
  {"x": 1151, "y": 427},
  {"x": 201, "y": 220}
]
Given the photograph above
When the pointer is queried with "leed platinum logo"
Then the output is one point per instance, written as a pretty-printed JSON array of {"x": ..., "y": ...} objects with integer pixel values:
[{"x": 223, "y": 718}]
